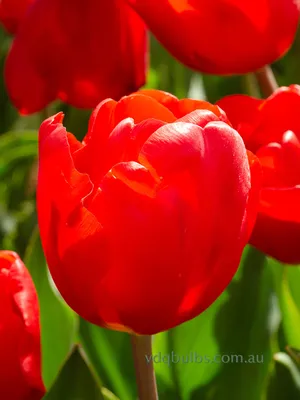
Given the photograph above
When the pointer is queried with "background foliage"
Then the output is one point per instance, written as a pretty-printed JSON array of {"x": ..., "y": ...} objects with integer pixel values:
[{"x": 259, "y": 313}]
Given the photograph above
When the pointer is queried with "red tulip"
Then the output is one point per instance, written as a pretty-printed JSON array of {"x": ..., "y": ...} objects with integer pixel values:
[
  {"x": 80, "y": 53},
  {"x": 144, "y": 222},
  {"x": 222, "y": 36},
  {"x": 20, "y": 366},
  {"x": 271, "y": 129}
]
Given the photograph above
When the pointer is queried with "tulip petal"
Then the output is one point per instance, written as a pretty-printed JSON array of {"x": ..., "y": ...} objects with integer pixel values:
[
  {"x": 58, "y": 181},
  {"x": 243, "y": 113},
  {"x": 182, "y": 107},
  {"x": 141, "y": 107},
  {"x": 164, "y": 98},
  {"x": 12, "y": 12},
  {"x": 221, "y": 142},
  {"x": 172, "y": 148},
  {"x": 222, "y": 36},
  {"x": 284, "y": 104},
  {"x": 79, "y": 55},
  {"x": 277, "y": 237},
  {"x": 20, "y": 367},
  {"x": 281, "y": 203},
  {"x": 256, "y": 185},
  {"x": 199, "y": 117},
  {"x": 70, "y": 233},
  {"x": 124, "y": 142},
  {"x": 186, "y": 106}
]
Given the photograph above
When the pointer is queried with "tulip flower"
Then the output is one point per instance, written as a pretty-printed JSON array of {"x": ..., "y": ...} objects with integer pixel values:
[
  {"x": 222, "y": 36},
  {"x": 271, "y": 129},
  {"x": 20, "y": 356},
  {"x": 78, "y": 52},
  {"x": 144, "y": 222}
]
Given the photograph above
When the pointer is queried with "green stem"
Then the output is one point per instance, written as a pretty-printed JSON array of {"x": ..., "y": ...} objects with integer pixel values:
[
  {"x": 143, "y": 363},
  {"x": 266, "y": 80}
]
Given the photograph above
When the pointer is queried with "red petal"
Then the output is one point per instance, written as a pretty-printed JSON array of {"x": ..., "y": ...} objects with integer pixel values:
[
  {"x": 71, "y": 235},
  {"x": 141, "y": 107},
  {"x": 20, "y": 367},
  {"x": 173, "y": 147},
  {"x": 281, "y": 162},
  {"x": 278, "y": 114},
  {"x": 281, "y": 203},
  {"x": 186, "y": 106},
  {"x": 78, "y": 56},
  {"x": 278, "y": 238},
  {"x": 164, "y": 98},
  {"x": 12, "y": 12},
  {"x": 199, "y": 117},
  {"x": 243, "y": 113},
  {"x": 222, "y": 37},
  {"x": 58, "y": 180},
  {"x": 182, "y": 107},
  {"x": 108, "y": 145},
  {"x": 256, "y": 185},
  {"x": 137, "y": 177}
]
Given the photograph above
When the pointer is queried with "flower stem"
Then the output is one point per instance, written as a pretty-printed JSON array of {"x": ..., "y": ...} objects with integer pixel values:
[
  {"x": 143, "y": 363},
  {"x": 267, "y": 81}
]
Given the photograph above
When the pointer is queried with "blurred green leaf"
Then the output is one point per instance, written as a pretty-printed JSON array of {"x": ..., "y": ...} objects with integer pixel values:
[
  {"x": 110, "y": 354},
  {"x": 217, "y": 87},
  {"x": 23, "y": 224},
  {"x": 177, "y": 354},
  {"x": 294, "y": 353},
  {"x": 252, "y": 318},
  {"x": 16, "y": 147},
  {"x": 293, "y": 278},
  {"x": 167, "y": 73},
  {"x": 58, "y": 322},
  {"x": 284, "y": 382},
  {"x": 13, "y": 139},
  {"x": 77, "y": 382},
  {"x": 241, "y": 323},
  {"x": 107, "y": 394},
  {"x": 287, "y": 279}
]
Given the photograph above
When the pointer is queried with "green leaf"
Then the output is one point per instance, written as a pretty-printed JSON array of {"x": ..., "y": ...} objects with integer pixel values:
[
  {"x": 239, "y": 325},
  {"x": 107, "y": 394},
  {"x": 287, "y": 278},
  {"x": 177, "y": 354},
  {"x": 293, "y": 278},
  {"x": 13, "y": 139},
  {"x": 16, "y": 149},
  {"x": 294, "y": 353},
  {"x": 285, "y": 379},
  {"x": 77, "y": 381},
  {"x": 247, "y": 327},
  {"x": 170, "y": 74},
  {"x": 58, "y": 322},
  {"x": 110, "y": 354}
]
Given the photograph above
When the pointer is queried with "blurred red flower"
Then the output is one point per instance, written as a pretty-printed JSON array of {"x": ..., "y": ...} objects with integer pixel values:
[
  {"x": 271, "y": 129},
  {"x": 12, "y": 12},
  {"x": 144, "y": 222},
  {"x": 79, "y": 52},
  {"x": 20, "y": 366},
  {"x": 222, "y": 36}
]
